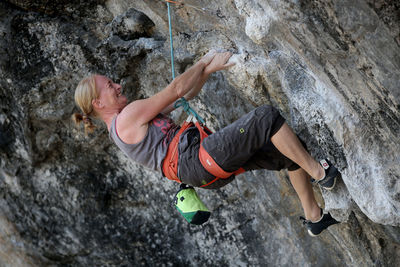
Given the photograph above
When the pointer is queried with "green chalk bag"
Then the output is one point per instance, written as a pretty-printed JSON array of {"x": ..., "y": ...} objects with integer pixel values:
[{"x": 190, "y": 205}]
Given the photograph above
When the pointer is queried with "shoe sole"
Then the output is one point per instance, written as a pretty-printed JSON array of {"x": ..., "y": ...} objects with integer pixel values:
[
  {"x": 313, "y": 235},
  {"x": 330, "y": 188},
  {"x": 334, "y": 183}
]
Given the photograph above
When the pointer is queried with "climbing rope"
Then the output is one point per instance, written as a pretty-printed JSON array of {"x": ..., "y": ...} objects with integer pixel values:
[
  {"x": 186, "y": 107},
  {"x": 182, "y": 101},
  {"x": 170, "y": 40}
]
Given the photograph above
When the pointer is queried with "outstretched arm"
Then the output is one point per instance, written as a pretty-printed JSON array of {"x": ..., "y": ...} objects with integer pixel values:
[
  {"x": 140, "y": 112},
  {"x": 219, "y": 62},
  {"x": 192, "y": 93}
]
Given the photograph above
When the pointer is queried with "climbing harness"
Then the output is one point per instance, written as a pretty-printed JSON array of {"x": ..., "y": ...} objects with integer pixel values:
[{"x": 170, "y": 164}]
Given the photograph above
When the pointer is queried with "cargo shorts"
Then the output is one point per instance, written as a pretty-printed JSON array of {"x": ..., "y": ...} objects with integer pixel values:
[{"x": 245, "y": 143}]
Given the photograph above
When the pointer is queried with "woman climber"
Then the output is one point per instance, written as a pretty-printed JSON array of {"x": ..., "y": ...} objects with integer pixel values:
[{"x": 260, "y": 139}]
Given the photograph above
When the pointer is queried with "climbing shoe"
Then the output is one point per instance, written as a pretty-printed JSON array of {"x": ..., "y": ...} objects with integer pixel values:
[
  {"x": 331, "y": 174},
  {"x": 315, "y": 228}
]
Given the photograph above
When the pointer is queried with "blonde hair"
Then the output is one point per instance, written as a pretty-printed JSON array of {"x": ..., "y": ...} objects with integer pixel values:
[{"x": 85, "y": 93}]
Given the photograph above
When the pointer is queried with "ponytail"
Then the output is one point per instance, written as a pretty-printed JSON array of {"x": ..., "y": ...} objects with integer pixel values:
[
  {"x": 84, "y": 94},
  {"x": 86, "y": 120}
]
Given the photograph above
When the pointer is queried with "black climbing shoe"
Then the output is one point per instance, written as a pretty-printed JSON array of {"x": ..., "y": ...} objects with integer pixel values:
[
  {"x": 315, "y": 228},
  {"x": 331, "y": 174}
]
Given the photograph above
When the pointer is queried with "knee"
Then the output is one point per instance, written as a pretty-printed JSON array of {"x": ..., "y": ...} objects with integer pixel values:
[{"x": 267, "y": 110}]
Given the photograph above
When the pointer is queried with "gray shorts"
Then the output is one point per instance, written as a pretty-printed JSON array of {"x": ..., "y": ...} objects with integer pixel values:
[{"x": 244, "y": 143}]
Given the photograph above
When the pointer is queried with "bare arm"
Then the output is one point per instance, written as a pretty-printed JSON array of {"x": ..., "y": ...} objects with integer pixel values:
[
  {"x": 192, "y": 93},
  {"x": 144, "y": 110},
  {"x": 133, "y": 119},
  {"x": 140, "y": 112},
  {"x": 219, "y": 62}
]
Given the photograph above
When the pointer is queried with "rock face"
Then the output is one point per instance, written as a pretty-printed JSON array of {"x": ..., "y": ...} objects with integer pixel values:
[{"x": 331, "y": 67}]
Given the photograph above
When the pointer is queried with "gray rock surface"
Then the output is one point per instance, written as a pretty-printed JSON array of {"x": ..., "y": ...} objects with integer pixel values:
[{"x": 331, "y": 67}]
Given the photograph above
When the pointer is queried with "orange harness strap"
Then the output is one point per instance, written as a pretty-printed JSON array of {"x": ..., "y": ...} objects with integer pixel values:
[
  {"x": 170, "y": 164},
  {"x": 208, "y": 162}
]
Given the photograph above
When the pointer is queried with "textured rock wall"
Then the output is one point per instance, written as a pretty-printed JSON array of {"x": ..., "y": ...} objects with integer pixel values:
[{"x": 331, "y": 67}]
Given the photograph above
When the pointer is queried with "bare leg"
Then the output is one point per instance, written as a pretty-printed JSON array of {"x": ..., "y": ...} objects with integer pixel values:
[
  {"x": 301, "y": 183},
  {"x": 289, "y": 145}
]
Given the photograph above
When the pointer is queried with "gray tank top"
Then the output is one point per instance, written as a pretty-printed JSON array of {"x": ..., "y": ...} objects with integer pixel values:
[{"x": 151, "y": 151}]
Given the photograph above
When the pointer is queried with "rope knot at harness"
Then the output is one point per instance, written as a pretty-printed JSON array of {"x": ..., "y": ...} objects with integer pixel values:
[{"x": 186, "y": 107}]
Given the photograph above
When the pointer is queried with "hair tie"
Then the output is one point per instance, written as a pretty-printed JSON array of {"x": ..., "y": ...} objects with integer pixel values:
[{"x": 85, "y": 118}]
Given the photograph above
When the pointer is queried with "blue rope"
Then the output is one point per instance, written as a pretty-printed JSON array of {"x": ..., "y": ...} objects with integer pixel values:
[
  {"x": 170, "y": 40},
  {"x": 186, "y": 107},
  {"x": 182, "y": 101}
]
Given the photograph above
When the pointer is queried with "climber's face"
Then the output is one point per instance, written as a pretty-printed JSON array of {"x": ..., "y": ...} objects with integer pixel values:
[{"x": 110, "y": 94}]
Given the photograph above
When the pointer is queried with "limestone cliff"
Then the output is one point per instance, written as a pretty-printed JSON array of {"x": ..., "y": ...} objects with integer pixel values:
[{"x": 331, "y": 67}]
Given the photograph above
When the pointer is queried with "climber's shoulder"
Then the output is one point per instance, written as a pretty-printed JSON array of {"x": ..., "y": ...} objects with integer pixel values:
[{"x": 130, "y": 125}]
